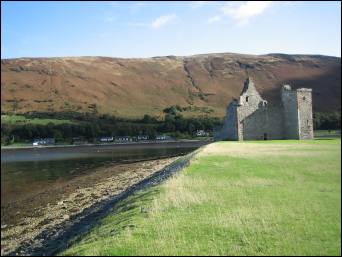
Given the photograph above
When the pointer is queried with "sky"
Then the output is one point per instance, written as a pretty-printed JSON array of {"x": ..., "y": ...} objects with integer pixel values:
[{"x": 147, "y": 29}]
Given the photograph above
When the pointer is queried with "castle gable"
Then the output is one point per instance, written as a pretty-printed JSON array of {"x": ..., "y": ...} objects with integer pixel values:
[{"x": 249, "y": 95}]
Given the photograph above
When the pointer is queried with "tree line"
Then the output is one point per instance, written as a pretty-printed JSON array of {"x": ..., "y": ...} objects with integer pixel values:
[
  {"x": 91, "y": 126},
  {"x": 327, "y": 121}
]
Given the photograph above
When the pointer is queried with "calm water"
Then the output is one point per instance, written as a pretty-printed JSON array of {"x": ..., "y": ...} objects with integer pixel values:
[{"x": 23, "y": 169}]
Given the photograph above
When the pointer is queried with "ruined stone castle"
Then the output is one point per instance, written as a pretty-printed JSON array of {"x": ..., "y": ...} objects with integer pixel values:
[{"x": 251, "y": 118}]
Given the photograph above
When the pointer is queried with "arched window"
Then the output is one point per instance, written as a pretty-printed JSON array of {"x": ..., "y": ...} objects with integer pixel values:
[{"x": 246, "y": 99}]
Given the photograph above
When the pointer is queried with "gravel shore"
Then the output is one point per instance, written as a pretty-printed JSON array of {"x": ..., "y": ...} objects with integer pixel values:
[{"x": 49, "y": 211}]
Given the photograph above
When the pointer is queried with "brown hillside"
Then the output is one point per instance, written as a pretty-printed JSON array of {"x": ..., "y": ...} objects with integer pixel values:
[{"x": 133, "y": 87}]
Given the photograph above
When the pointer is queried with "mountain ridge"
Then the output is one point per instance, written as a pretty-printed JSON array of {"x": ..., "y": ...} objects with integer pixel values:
[
  {"x": 132, "y": 87},
  {"x": 178, "y": 56}
]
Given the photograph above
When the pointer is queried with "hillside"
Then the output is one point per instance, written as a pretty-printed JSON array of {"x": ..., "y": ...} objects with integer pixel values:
[{"x": 133, "y": 87}]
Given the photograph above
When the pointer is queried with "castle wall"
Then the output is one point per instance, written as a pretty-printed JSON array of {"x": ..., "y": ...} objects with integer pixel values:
[
  {"x": 275, "y": 124},
  {"x": 304, "y": 100},
  {"x": 251, "y": 118},
  {"x": 249, "y": 103},
  {"x": 265, "y": 122},
  {"x": 232, "y": 123},
  {"x": 290, "y": 112},
  {"x": 229, "y": 129}
]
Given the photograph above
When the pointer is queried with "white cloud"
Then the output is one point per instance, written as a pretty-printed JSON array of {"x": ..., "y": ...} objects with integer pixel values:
[
  {"x": 163, "y": 20},
  {"x": 214, "y": 19},
  {"x": 243, "y": 11},
  {"x": 198, "y": 4}
]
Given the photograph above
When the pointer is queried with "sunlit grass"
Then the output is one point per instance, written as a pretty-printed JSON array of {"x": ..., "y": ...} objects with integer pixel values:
[
  {"x": 20, "y": 120},
  {"x": 233, "y": 201}
]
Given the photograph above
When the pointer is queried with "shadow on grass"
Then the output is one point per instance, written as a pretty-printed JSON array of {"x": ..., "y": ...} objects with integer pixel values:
[
  {"x": 135, "y": 201},
  {"x": 318, "y": 139}
]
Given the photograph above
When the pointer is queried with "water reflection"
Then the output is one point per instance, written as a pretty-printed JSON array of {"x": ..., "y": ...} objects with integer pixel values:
[{"x": 23, "y": 170}]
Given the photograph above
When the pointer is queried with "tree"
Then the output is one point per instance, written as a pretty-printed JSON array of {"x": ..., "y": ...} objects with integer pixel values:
[
  {"x": 57, "y": 134},
  {"x": 148, "y": 119},
  {"x": 151, "y": 134},
  {"x": 191, "y": 129},
  {"x": 171, "y": 110},
  {"x": 327, "y": 120},
  {"x": 169, "y": 118}
]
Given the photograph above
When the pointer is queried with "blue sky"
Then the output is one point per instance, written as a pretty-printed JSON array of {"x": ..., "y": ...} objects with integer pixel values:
[{"x": 146, "y": 29}]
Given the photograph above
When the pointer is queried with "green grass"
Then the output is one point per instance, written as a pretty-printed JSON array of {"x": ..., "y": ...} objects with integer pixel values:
[
  {"x": 18, "y": 144},
  {"x": 19, "y": 120},
  {"x": 236, "y": 198}
]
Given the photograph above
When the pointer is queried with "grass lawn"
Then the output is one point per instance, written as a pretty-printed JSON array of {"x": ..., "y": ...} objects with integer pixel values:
[
  {"x": 236, "y": 198},
  {"x": 19, "y": 120}
]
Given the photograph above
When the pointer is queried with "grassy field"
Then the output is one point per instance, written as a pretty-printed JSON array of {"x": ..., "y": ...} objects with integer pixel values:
[
  {"x": 19, "y": 120},
  {"x": 236, "y": 198}
]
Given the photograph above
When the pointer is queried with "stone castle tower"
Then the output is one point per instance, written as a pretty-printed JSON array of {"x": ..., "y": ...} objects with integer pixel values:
[{"x": 251, "y": 117}]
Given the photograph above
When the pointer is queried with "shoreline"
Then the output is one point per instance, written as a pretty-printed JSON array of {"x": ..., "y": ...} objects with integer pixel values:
[
  {"x": 110, "y": 144},
  {"x": 63, "y": 220}
]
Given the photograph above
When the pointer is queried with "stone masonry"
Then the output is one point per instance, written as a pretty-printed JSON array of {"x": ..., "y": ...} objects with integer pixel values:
[{"x": 252, "y": 118}]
